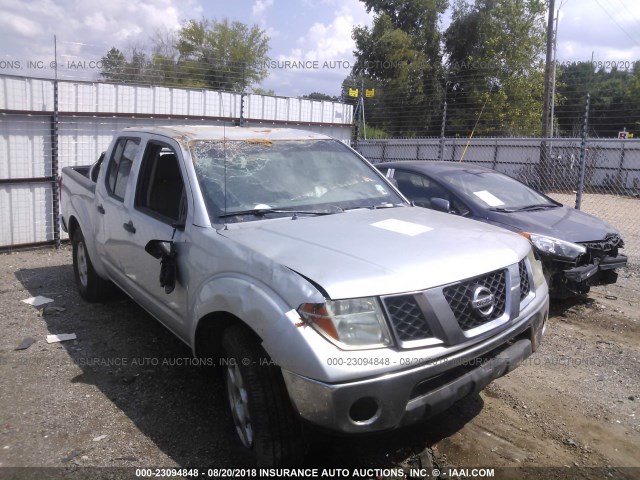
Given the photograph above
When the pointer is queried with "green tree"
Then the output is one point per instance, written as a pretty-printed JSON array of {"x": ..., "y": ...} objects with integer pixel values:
[
  {"x": 401, "y": 54},
  {"x": 215, "y": 54},
  {"x": 615, "y": 99},
  {"x": 263, "y": 91},
  {"x": 495, "y": 71},
  {"x": 321, "y": 96},
  {"x": 231, "y": 55}
]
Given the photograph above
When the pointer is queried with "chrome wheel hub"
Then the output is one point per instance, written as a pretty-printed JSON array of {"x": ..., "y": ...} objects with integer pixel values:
[
  {"x": 238, "y": 401},
  {"x": 81, "y": 259}
]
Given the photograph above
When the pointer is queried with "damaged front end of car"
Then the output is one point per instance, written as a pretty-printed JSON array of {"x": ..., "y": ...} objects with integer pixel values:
[{"x": 573, "y": 268}]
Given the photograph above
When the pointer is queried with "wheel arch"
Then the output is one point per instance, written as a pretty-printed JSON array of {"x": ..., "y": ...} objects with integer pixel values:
[
  {"x": 209, "y": 332},
  {"x": 73, "y": 225}
]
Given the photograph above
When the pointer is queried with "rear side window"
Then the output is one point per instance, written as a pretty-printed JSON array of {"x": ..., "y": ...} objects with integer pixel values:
[{"x": 120, "y": 166}]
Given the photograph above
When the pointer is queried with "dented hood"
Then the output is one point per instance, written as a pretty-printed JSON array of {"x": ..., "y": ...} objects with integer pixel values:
[{"x": 365, "y": 252}]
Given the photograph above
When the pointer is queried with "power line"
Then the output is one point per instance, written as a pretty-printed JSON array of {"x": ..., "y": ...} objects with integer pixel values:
[
  {"x": 631, "y": 15},
  {"x": 616, "y": 22}
]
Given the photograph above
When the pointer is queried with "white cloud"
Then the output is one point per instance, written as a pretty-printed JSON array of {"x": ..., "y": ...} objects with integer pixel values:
[
  {"x": 331, "y": 41},
  {"x": 328, "y": 45},
  {"x": 17, "y": 24},
  {"x": 85, "y": 29},
  {"x": 609, "y": 30},
  {"x": 260, "y": 7}
]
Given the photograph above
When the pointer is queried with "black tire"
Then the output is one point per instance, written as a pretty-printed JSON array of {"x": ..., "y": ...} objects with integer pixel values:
[
  {"x": 276, "y": 432},
  {"x": 92, "y": 287}
]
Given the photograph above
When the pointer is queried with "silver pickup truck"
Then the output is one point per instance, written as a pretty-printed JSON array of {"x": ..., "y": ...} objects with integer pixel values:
[{"x": 329, "y": 300}]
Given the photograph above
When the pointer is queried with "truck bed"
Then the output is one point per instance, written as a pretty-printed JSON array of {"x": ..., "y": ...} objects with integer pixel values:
[{"x": 79, "y": 175}]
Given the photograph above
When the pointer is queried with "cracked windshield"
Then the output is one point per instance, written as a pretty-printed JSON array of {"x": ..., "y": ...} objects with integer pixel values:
[{"x": 244, "y": 180}]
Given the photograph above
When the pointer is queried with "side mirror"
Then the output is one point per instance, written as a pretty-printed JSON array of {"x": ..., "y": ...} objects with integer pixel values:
[
  {"x": 158, "y": 248},
  {"x": 166, "y": 251},
  {"x": 441, "y": 205},
  {"x": 422, "y": 203}
]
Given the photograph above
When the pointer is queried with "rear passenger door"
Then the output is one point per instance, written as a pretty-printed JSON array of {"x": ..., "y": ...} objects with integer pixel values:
[
  {"x": 111, "y": 205},
  {"x": 158, "y": 212}
]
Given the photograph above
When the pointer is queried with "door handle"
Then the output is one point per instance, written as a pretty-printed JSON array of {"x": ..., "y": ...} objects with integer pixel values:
[
  {"x": 129, "y": 227},
  {"x": 100, "y": 209}
]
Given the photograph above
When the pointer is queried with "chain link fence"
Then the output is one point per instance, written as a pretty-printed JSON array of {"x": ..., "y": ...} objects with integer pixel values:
[
  {"x": 610, "y": 177},
  {"x": 46, "y": 125}
]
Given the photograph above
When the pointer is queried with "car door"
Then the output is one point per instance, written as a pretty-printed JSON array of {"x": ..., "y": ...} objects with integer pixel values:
[
  {"x": 158, "y": 211},
  {"x": 111, "y": 204}
]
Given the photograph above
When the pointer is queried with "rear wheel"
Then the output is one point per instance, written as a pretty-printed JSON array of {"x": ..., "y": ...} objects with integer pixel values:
[
  {"x": 91, "y": 286},
  {"x": 260, "y": 407}
]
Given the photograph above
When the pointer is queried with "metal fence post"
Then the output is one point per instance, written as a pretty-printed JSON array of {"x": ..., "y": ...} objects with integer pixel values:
[
  {"x": 619, "y": 183},
  {"x": 444, "y": 124},
  {"x": 583, "y": 156},
  {"x": 54, "y": 155}
]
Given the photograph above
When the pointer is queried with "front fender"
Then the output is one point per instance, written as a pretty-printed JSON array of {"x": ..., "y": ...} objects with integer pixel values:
[{"x": 284, "y": 338}]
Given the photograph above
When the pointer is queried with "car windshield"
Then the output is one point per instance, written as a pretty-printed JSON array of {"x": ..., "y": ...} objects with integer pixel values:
[
  {"x": 265, "y": 176},
  {"x": 497, "y": 191}
]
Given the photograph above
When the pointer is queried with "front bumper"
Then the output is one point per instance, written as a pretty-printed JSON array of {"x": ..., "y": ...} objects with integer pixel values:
[
  {"x": 600, "y": 272},
  {"x": 411, "y": 395}
]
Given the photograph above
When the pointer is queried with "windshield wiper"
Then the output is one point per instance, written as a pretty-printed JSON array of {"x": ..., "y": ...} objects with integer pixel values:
[
  {"x": 539, "y": 206},
  {"x": 501, "y": 209},
  {"x": 380, "y": 205},
  {"x": 526, "y": 208},
  {"x": 260, "y": 212}
]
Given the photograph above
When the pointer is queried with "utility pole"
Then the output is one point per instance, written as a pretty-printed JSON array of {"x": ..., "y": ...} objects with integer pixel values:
[
  {"x": 356, "y": 114},
  {"x": 553, "y": 83},
  {"x": 547, "y": 71},
  {"x": 544, "y": 146},
  {"x": 583, "y": 153},
  {"x": 364, "y": 125}
]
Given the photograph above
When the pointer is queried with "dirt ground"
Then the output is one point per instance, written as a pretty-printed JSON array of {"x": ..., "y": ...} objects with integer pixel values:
[{"x": 123, "y": 395}]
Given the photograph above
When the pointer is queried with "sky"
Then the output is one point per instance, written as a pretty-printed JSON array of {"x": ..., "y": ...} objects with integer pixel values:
[{"x": 313, "y": 31}]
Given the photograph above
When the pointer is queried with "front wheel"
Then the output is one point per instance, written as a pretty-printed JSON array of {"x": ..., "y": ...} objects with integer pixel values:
[
  {"x": 91, "y": 286},
  {"x": 262, "y": 413}
]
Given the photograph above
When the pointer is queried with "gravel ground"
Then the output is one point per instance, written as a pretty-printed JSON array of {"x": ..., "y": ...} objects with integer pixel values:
[{"x": 124, "y": 395}]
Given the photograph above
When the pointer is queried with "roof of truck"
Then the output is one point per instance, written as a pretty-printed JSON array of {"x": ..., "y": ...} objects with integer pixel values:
[{"x": 207, "y": 132}]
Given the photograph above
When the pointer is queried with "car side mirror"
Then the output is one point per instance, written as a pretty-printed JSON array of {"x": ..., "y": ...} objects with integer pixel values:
[
  {"x": 441, "y": 205},
  {"x": 166, "y": 251},
  {"x": 422, "y": 203}
]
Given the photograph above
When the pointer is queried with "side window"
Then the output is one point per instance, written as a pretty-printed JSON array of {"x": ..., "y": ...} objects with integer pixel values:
[
  {"x": 422, "y": 189},
  {"x": 419, "y": 187},
  {"x": 160, "y": 191},
  {"x": 120, "y": 166}
]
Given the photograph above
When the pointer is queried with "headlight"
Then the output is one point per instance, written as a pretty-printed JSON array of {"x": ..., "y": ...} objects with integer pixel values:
[
  {"x": 536, "y": 269},
  {"x": 555, "y": 246},
  {"x": 356, "y": 323}
]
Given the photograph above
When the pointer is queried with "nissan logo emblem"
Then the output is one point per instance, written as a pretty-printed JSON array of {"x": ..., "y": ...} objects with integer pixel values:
[{"x": 482, "y": 300}]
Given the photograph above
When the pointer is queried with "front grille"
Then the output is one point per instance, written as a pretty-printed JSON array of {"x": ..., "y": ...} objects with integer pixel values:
[
  {"x": 525, "y": 288},
  {"x": 459, "y": 297},
  {"x": 407, "y": 318}
]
